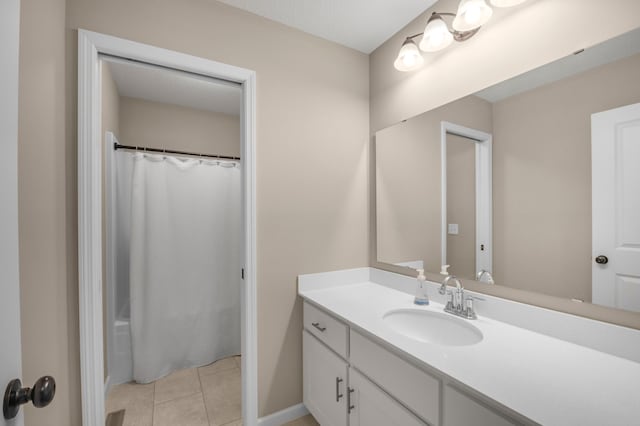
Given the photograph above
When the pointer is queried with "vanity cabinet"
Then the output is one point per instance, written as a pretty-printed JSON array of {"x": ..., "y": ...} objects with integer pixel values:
[
  {"x": 352, "y": 380},
  {"x": 335, "y": 392}
]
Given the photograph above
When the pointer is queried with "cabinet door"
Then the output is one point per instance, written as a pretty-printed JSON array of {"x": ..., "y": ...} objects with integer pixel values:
[
  {"x": 459, "y": 409},
  {"x": 418, "y": 391},
  {"x": 324, "y": 382},
  {"x": 371, "y": 406}
]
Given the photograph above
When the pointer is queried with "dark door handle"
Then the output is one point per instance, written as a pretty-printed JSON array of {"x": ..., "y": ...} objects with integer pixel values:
[
  {"x": 41, "y": 394},
  {"x": 602, "y": 260}
]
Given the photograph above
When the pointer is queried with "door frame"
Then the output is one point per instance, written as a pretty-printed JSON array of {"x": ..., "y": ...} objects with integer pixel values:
[
  {"x": 90, "y": 46},
  {"x": 483, "y": 191}
]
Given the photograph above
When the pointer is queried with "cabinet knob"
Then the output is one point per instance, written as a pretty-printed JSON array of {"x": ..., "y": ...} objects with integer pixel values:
[{"x": 41, "y": 394}]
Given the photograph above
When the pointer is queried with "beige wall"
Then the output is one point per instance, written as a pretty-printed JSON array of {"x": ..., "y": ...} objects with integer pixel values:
[
  {"x": 461, "y": 205},
  {"x": 47, "y": 208},
  {"x": 542, "y": 178},
  {"x": 408, "y": 181},
  {"x": 312, "y": 116},
  {"x": 159, "y": 125},
  {"x": 514, "y": 41}
]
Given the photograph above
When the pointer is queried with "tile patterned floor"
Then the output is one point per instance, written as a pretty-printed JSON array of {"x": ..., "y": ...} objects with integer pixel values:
[{"x": 205, "y": 396}]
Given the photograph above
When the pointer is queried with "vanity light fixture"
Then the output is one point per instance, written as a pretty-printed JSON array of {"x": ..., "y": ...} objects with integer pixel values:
[
  {"x": 471, "y": 15},
  {"x": 436, "y": 34}
]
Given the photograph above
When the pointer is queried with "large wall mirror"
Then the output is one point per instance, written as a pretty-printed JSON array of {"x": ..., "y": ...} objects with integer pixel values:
[{"x": 535, "y": 180}]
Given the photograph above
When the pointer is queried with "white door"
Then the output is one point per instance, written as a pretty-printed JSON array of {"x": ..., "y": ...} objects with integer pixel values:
[
  {"x": 615, "y": 151},
  {"x": 370, "y": 406},
  {"x": 324, "y": 382},
  {"x": 9, "y": 286}
]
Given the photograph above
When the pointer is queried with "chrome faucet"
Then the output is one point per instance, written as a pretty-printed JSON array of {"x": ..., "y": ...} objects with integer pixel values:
[
  {"x": 483, "y": 273},
  {"x": 445, "y": 282},
  {"x": 457, "y": 303}
]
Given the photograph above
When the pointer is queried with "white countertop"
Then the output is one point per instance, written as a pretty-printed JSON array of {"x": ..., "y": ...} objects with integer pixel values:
[{"x": 550, "y": 381}]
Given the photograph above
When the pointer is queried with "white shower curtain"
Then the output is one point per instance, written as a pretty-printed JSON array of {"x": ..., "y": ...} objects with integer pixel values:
[{"x": 184, "y": 264}]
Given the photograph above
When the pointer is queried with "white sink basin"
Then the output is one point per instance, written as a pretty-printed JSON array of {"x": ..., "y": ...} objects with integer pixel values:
[{"x": 433, "y": 327}]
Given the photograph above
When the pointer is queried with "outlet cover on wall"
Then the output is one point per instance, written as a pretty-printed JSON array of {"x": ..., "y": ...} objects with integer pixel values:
[{"x": 453, "y": 229}]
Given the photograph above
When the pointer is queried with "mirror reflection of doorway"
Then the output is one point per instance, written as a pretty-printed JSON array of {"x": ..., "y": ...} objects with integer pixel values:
[
  {"x": 466, "y": 242},
  {"x": 461, "y": 205}
]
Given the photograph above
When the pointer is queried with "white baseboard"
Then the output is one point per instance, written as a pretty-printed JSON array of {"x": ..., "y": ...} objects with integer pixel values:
[
  {"x": 107, "y": 386},
  {"x": 283, "y": 416}
]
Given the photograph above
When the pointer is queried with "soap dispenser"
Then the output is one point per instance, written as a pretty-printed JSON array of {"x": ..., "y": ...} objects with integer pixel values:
[{"x": 422, "y": 298}]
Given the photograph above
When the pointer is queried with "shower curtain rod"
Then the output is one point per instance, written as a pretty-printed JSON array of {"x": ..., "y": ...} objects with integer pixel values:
[{"x": 117, "y": 146}]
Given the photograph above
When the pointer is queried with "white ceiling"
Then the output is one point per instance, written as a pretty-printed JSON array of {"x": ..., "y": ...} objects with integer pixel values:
[
  {"x": 360, "y": 24},
  {"x": 167, "y": 86}
]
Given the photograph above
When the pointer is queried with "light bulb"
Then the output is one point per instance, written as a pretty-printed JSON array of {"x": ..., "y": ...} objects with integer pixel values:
[
  {"x": 436, "y": 35},
  {"x": 409, "y": 61},
  {"x": 471, "y": 15},
  {"x": 506, "y": 3},
  {"x": 409, "y": 57}
]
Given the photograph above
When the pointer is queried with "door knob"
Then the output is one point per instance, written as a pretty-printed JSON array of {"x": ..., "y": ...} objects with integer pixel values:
[
  {"x": 41, "y": 394},
  {"x": 602, "y": 260}
]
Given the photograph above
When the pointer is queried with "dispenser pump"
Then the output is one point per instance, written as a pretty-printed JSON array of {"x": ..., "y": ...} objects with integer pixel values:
[
  {"x": 421, "y": 276},
  {"x": 422, "y": 298}
]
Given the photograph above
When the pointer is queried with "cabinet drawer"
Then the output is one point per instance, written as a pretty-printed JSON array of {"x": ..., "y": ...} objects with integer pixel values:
[
  {"x": 417, "y": 390},
  {"x": 326, "y": 328}
]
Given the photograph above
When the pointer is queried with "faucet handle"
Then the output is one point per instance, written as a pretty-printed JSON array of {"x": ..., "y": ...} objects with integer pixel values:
[
  {"x": 468, "y": 303},
  {"x": 469, "y": 313}
]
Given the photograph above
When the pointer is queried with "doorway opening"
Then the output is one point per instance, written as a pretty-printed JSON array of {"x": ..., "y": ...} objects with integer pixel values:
[
  {"x": 173, "y": 244},
  {"x": 211, "y": 357}
]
